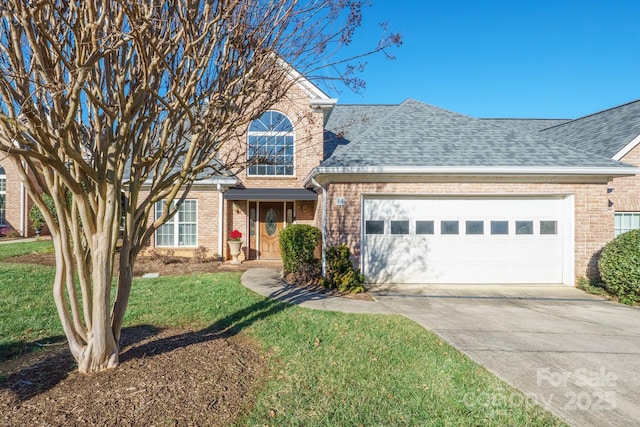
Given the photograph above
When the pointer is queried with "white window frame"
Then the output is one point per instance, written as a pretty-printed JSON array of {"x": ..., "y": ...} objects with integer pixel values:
[
  {"x": 175, "y": 223},
  {"x": 619, "y": 229},
  {"x": 3, "y": 194},
  {"x": 273, "y": 134}
]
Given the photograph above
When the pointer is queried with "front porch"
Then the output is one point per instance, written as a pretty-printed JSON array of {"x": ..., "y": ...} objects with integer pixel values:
[{"x": 260, "y": 214}]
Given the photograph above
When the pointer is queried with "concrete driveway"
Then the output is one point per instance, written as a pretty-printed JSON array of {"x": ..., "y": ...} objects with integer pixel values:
[{"x": 576, "y": 354}]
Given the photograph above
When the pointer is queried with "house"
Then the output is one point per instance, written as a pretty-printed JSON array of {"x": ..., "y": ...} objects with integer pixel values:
[{"x": 420, "y": 194}]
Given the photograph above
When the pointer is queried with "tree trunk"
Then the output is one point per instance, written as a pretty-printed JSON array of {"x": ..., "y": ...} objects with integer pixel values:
[
  {"x": 101, "y": 351},
  {"x": 125, "y": 277}
]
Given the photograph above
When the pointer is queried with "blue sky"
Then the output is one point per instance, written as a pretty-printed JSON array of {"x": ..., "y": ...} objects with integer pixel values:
[{"x": 510, "y": 58}]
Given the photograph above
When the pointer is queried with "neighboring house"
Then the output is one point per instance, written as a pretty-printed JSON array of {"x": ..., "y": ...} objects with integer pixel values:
[{"x": 421, "y": 194}]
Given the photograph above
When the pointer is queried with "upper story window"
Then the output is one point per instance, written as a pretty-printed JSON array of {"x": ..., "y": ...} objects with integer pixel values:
[
  {"x": 270, "y": 146},
  {"x": 3, "y": 195}
]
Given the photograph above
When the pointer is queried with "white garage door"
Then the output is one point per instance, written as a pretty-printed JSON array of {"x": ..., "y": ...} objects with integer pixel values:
[{"x": 468, "y": 240}]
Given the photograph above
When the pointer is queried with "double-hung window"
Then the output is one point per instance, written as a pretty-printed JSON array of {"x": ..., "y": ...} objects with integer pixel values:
[
  {"x": 181, "y": 229},
  {"x": 270, "y": 146}
]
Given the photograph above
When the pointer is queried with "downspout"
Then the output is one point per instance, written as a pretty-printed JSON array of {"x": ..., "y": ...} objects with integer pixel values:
[
  {"x": 324, "y": 224},
  {"x": 23, "y": 216},
  {"x": 221, "y": 191}
]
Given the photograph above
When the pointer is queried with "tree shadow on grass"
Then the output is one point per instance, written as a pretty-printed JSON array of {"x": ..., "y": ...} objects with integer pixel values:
[
  {"x": 39, "y": 375},
  {"x": 22, "y": 349}
]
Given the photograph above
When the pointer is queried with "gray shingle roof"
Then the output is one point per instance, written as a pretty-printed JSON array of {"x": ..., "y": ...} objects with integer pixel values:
[
  {"x": 349, "y": 120},
  {"x": 604, "y": 133},
  {"x": 418, "y": 134},
  {"x": 530, "y": 125}
]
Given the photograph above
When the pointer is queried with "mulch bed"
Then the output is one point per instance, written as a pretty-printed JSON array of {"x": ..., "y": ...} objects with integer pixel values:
[{"x": 166, "y": 377}]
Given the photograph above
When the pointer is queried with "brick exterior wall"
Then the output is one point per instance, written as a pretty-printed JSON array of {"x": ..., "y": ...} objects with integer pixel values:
[
  {"x": 593, "y": 217},
  {"x": 12, "y": 198},
  {"x": 625, "y": 192},
  {"x": 12, "y": 203}
]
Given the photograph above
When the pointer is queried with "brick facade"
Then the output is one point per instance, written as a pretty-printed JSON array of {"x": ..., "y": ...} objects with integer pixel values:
[
  {"x": 16, "y": 215},
  {"x": 625, "y": 192},
  {"x": 308, "y": 145}
]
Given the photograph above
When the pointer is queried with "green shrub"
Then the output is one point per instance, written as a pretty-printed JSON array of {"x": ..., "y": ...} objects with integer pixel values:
[
  {"x": 36, "y": 217},
  {"x": 298, "y": 243},
  {"x": 340, "y": 273},
  {"x": 591, "y": 286},
  {"x": 619, "y": 266}
]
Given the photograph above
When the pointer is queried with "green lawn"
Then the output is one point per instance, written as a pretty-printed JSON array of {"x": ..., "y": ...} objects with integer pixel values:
[{"x": 326, "y": 369}]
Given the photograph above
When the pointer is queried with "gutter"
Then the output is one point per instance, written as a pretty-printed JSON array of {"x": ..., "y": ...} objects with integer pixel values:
[
  {"x": 324, "y": 224},
  {"x": 23, "y": 213},
  {"x": 471, "y": 170}
]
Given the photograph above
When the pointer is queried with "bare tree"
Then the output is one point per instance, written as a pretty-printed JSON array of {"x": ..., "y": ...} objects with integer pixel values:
[{"x": 100, "y": 96}]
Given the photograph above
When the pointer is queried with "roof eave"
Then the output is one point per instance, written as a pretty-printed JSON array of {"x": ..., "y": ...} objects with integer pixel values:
[
  {"x": 473, "y": 171},
  {"x": 223, "y": 181}
]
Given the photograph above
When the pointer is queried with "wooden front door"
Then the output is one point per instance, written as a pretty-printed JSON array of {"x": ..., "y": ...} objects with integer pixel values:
[{"x": 270, "y": 224}]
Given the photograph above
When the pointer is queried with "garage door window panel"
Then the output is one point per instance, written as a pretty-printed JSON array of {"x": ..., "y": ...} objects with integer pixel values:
[
  {"x": 449, "y": 227},
  {"x": 399, "y": 227},
  {"x": 524, "y": 227},
  {"x": 474, "y": 227},
  {"x": 424, "y": 227},
  {"x": 374, "y": 227},
  {"x": 499, "y": 228},
  {"x": 549, "y": 227}
]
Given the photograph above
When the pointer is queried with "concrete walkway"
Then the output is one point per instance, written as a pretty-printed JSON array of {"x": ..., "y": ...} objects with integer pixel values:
[
  {"x": 268, "y": 282},
  {"x": 576, "y": 354},
  {"x": 4, "y": 241}
]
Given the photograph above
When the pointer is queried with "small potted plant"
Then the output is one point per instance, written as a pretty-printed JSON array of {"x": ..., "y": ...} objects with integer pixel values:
[
  {"x": 235, "y": 242},
  {"x": 37, "y": 219}
]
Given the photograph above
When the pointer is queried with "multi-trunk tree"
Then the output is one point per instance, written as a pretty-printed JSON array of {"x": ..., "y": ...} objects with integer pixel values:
[{"x": 99, "y": 97}]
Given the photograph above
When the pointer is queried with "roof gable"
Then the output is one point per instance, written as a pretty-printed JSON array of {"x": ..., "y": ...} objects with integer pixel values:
[{"x": 606, "y": 133}]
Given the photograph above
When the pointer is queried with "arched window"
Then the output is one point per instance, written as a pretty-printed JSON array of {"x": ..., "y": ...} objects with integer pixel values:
[
  {"x": 270, "y": 146},
  {"x": 3, "y": 196}
]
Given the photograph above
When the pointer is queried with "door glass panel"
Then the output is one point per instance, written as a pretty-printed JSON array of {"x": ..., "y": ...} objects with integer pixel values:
[
  {"x": 252, "y": 221},
  {"x": 271, "y": 222}
]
